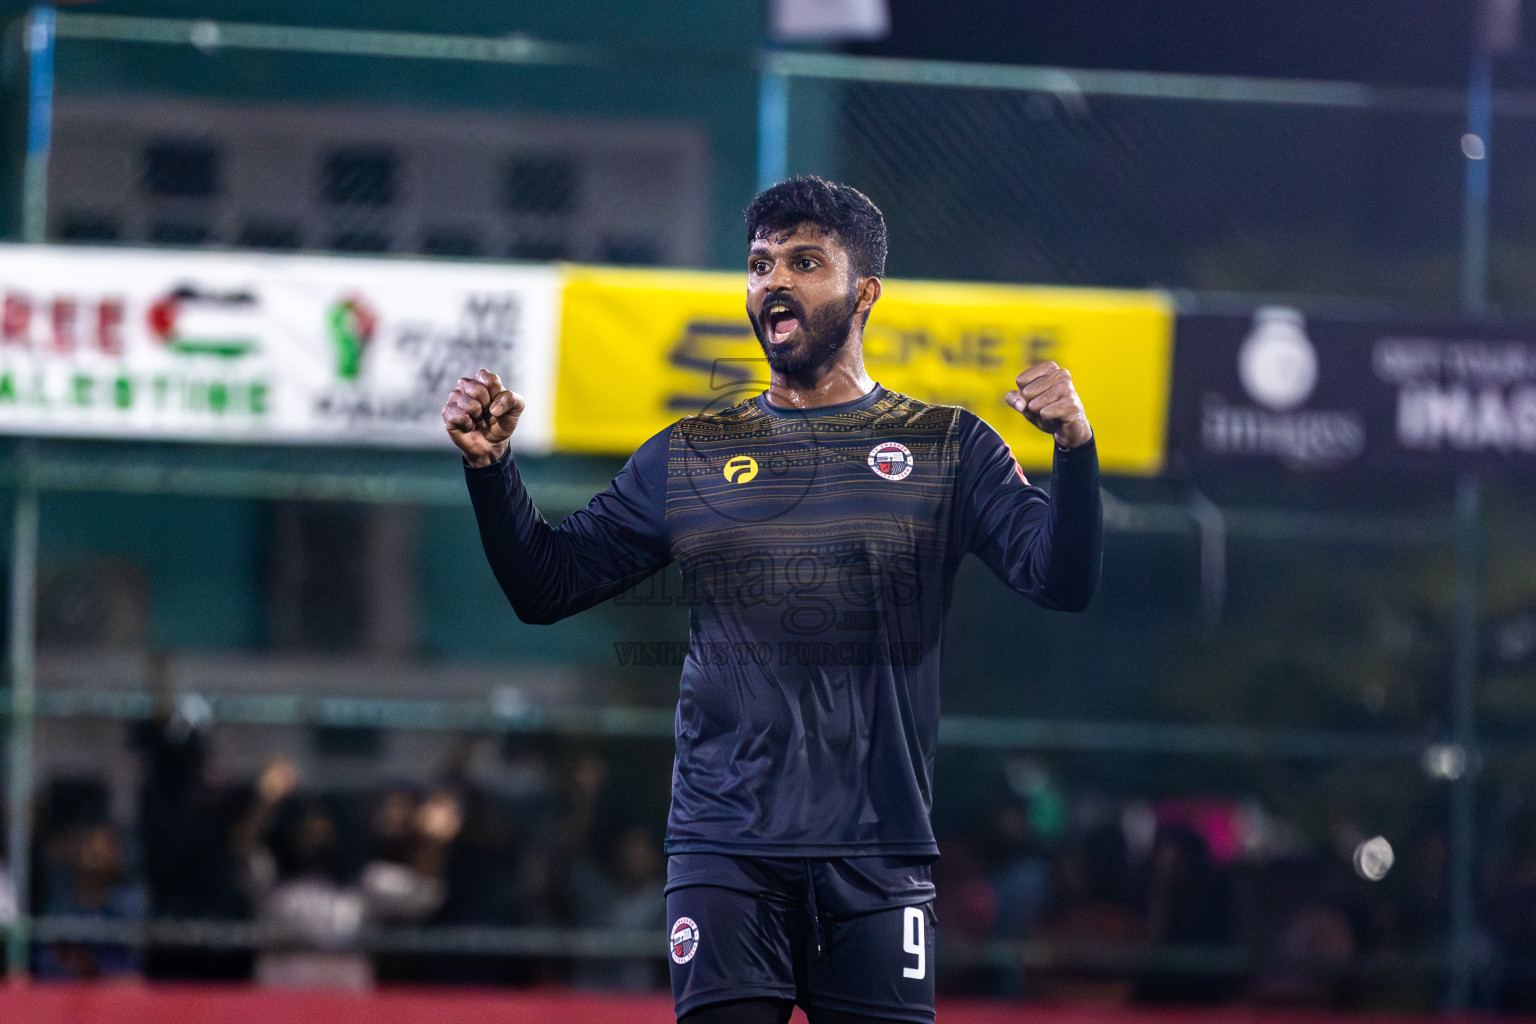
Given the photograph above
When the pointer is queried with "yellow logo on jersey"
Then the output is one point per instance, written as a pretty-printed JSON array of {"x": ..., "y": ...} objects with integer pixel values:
[{"x": 741, "y": 469}]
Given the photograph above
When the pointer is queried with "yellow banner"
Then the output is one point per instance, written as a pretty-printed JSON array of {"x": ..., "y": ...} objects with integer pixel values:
[{"x": 641, "y": 348}]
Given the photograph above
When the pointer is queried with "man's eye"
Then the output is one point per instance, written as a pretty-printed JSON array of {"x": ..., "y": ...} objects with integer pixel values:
[
  {"x": 760, "y": 267},
  {"x": 806, "y": 263}
]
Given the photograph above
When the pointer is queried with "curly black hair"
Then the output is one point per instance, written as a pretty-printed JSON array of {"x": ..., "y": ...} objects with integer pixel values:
[{"x": 837, "y": 209}]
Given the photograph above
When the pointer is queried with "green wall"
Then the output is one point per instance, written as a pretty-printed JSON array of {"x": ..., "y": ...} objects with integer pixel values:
[
  {"x": 690, "y": 62},
  {"x": 201, "y": 560}
]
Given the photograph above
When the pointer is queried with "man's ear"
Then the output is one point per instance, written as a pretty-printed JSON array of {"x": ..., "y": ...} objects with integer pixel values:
[{"x": 869, "y": 294}]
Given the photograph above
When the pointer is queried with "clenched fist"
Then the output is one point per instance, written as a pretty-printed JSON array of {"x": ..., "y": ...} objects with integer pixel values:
[
  {"x": 1047, "y": 399},
  {"x": 480, "y": 416}
]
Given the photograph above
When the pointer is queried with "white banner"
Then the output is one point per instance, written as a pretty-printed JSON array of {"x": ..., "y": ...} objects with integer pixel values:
[{"x": 225, "y": 347}]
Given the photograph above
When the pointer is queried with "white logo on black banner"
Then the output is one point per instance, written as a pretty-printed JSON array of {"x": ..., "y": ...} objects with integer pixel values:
[
  {"x": 1277, "y": 363},
  {"x": 1278, "y": 367}
]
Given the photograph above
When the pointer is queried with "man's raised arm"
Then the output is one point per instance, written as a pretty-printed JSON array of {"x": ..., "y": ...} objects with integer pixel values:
[
  {"x": 597, "y": 552},
  {"x": 1049, "y": 548}
]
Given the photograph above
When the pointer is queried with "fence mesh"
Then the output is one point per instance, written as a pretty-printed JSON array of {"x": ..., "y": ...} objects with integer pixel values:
[{"x": 1079, "y": 188}]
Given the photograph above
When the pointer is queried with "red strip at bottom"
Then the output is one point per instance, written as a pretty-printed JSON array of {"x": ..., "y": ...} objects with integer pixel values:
[{"x": 134, "y": 1003}]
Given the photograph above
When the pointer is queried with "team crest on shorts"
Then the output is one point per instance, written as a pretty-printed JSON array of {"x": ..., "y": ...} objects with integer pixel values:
[
  {"x": 891, "y": 461},
  {"x": 685, "y": 940}
]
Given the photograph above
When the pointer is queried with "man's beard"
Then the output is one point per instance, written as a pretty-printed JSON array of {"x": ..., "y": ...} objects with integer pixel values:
[{"x": 823, "y": 334}]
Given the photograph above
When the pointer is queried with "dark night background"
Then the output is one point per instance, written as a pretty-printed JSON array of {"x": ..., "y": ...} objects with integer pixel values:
[{"x": 1386, "y": 42}]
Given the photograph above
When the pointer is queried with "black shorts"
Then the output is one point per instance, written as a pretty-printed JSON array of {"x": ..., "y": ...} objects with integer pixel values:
[{"x": 853, "y": 934}]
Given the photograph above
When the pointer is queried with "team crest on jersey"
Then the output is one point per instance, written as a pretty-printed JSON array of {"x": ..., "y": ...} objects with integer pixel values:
[
  {"x": 685, "y": 940},
  {"x": 891, "y": 461}
]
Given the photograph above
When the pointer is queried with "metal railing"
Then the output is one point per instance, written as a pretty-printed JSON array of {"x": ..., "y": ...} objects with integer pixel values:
[{"x": 1107, "y": 959}]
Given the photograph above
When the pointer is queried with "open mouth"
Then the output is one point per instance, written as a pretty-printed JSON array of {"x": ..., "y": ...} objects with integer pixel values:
[{"x": 782, "y": 322}]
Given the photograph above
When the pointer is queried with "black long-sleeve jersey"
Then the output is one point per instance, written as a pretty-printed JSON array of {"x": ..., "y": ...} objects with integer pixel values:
[{"x": 818, "y": 550}]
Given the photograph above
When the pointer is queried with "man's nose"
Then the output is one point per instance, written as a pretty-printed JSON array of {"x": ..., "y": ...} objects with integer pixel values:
[{"x": 779, "y": 279}]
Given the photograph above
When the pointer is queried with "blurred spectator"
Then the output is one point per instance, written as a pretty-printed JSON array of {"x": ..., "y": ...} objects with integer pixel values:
[
  {"x": 492, "y": 879},
  {"x": 1309, "y": 940},
  {"x": 185, "y": 817},
  {"x": 1218, "y": 823},
  {"x": 1426, "y": 905},
  {"x": 393, "y": 823},
  {"x": 406, "y": 880},
  {"x": 288, "y": 846},
  {"x": 1515, "y": 924},
  {"x": 1023, "y": 882},
  {"x": 289, "y": 843},
  {"x": 586, "y": 780},
  {"x": 1022, "y": 875},
  {"x": 7, "y": 894},
  {"x": 1188, "y": 903},
  {"x": 90, "y": 880},
  {"x": 7, "y": 891},
  {"x": 966, "y": 904},
  {"x": 630, "y": 896},
  {"x": 1097, "y": 934}
]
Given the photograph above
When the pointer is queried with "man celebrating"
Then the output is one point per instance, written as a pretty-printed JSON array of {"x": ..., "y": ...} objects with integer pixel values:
[{"x": 818, "y": 526}]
